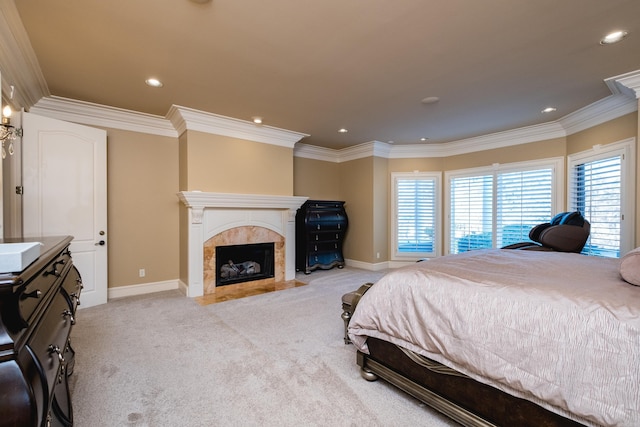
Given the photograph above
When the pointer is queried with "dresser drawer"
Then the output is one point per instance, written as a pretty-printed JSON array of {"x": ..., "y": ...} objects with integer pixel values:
[
  {"x": 329, "y": 236},
  {"x": 72, "y": 287},
  {"x": 332, "y": 246},
  {"x": 49, "y": 340},
  {"x": 36, "y": 290},
  {"x": 325, "y": 258},
  {"x": 322, "y": 217}
]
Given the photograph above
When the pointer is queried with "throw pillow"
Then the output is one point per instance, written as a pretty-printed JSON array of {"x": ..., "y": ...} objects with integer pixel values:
[{"x": 630, "y": 267}]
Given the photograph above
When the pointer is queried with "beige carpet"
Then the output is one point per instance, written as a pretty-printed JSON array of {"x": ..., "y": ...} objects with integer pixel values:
[{"x": 276, "y": 359}]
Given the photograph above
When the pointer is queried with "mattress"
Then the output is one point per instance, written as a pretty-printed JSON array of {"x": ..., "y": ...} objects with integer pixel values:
[{"x": 559, "y": 329}]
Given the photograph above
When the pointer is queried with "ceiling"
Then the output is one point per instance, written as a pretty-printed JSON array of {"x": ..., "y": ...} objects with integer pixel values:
[{"x": 317, "y": 66}]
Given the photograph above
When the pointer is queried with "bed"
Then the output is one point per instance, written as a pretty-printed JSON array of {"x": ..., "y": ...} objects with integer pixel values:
[{"x": 507, "y": 337}]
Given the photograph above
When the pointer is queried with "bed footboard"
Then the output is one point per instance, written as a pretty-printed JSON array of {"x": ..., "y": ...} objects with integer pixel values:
[{"x": 457, "y": 396}]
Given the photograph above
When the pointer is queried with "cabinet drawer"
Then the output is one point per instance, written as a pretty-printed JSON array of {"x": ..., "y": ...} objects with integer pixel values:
[
  {"x": 37, "y": 288},
  {"x": 323, "y": 204},
  {"x": 49, "y": 341},
  {"x": 323, "y": 247},
  {"x": 325, "y": 258},
  {"x": 327, "y": 226},
  {"x": 338, "y": 216},
  {"x": 72, "y": 287},
  {"x": 325, "y": 237}
]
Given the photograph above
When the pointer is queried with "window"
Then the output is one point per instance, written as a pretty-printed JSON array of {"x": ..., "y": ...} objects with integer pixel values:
[
  {"x": 498, "y": 206},
  {"x": 599, "y": 180},
  {"x": 415, "y": 214}
]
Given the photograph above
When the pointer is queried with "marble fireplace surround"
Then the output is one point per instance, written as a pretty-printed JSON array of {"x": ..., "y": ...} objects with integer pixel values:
[{"x": 215, "y": 218}]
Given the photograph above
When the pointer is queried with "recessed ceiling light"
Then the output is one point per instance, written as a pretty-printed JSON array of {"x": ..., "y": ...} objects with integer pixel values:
[
  {"x": 153, "y": 82},
  {"x": 430, "y": 100},
  {"x": 342, "y": 130},
  {"x": 549, "y": 110},
  {"x": 613, "y": 37},
  {"x": 257, "y": 120}
]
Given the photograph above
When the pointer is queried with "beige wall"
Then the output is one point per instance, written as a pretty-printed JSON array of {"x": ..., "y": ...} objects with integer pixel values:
[
  {"x": 142, "y": 176},
  {"x": 356, "y": 189},
  {"x": 612, "y": 131},
  {"x": 518, "y": 153},
  {"x": 231, "y": 165},
  {"x": 147, "y": 222},
  {"x": 316, "y": 179}
]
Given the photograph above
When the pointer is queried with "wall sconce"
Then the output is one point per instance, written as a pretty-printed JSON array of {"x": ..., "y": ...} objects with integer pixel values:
[{"x": 8, "y": 133}]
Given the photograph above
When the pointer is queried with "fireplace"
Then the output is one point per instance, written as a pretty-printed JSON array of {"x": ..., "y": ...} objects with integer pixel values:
[
  {"x": 224, "y": 219},
  {"x": 244, "y": 263}
]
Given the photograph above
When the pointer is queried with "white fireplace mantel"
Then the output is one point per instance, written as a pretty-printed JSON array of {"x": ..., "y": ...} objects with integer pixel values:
[{"x": 210, "y": 213}]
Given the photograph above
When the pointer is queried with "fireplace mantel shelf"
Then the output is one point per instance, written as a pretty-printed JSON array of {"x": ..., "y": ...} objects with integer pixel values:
[{"x": 201, "y": 200}]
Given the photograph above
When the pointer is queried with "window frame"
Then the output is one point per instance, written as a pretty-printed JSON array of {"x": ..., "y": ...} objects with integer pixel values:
[
  {"x": 396, "y": 255},
  {"x": 626, "y": 149},
  {"x": 556, "y": 164}
]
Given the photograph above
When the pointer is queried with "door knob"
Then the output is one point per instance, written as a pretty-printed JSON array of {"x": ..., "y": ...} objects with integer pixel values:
[{"x": 101, "y": 243}]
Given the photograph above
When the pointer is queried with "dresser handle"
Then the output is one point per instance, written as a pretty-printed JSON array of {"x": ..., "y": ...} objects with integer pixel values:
[
  {"x": 70, "y": 314},
  {"x": 56, "y": 349},
  {"x": 33, "y": 294},
  {"x": 76, "y": 296},
  {"x": 54, "y": 272}
]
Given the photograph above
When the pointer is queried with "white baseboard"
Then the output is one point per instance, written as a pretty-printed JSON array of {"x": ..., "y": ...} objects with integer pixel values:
[
  {"x": 146, "y": 288},
  {"x": 377, "y": 266},
  {"x": 367, "y": 265}
]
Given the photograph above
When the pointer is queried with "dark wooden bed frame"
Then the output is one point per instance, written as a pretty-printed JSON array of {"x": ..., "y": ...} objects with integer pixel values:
[
  {"x": 457, "y": 396},
  {"x": 461, "y": 398}
]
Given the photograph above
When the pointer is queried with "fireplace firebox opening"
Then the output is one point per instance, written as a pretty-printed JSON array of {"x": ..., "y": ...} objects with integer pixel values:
[{"x": 244, "y": 263}]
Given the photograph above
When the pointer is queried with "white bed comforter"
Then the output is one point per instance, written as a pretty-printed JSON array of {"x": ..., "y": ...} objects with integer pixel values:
[{"x": 561, "y": 330}]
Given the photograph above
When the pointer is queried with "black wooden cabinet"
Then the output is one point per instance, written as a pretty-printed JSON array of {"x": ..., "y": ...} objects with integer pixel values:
[
  {"x": 320, "y": 229},
  {"x": 37, "y": 312}
]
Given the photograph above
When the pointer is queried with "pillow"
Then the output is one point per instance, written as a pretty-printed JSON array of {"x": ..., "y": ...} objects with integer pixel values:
[{"x": 630, "y": 267}]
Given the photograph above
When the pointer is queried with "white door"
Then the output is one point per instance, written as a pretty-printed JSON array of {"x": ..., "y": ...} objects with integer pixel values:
[{"x": 64, "y": 168}]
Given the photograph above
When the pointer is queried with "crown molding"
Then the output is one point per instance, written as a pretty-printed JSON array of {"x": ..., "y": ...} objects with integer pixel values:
[
  {"x": 380, "y": 149},
  {"x": 20, "y": 67},
  {"x": 184, "y": 119},
  {"x": 482, "y": 143},
  {"x": 599, "y": 112},
  {"x": 314, "y": 152},
  {"x": 360, "y": 151},
  {"x": 368, "y": 149},
  {"x": 100, "y": 115},
  {"x": 626, "y": 84}
]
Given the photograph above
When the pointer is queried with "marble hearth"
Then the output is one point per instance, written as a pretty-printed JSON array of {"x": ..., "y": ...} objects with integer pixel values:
[{"x": 220, "y": 218}]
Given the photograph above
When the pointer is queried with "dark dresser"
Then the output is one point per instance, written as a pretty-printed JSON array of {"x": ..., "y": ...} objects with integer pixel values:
[
  {"x": 37, "y": 307},
  {"x": 320, "y": 229}
]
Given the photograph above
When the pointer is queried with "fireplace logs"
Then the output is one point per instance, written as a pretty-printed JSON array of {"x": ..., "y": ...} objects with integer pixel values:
[{"x": 243, "y": 263}]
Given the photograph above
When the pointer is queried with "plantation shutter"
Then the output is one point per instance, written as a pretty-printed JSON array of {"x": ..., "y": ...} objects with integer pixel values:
[
  {"x": 523, "y": 200},
  {"x": 596, "y": 192},
  {"x": 416, "y": 215},
  {"x": 471, "y": 213}
]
